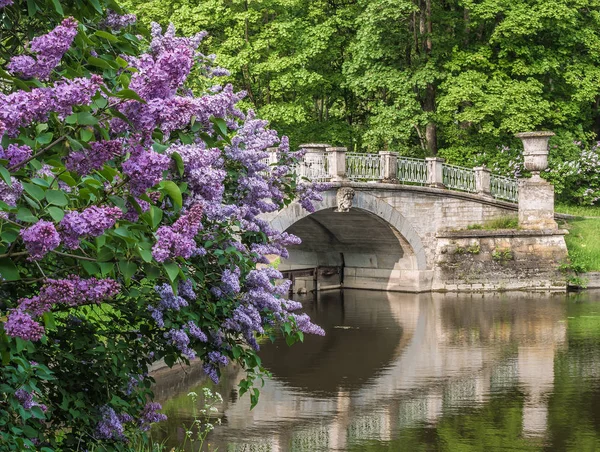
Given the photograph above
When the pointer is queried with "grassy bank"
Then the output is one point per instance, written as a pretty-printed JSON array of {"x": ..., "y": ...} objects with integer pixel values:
[{"x": 583, "y": 240}]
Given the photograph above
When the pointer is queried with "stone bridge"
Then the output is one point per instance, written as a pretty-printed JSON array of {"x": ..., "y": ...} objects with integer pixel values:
[{"x": 392, "y": 223}]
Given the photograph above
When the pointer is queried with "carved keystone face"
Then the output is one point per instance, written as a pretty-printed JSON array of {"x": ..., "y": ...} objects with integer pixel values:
[{"x": 344, "y": 199}]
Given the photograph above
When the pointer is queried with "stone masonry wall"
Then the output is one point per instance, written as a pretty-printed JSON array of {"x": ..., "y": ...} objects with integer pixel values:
[{"x": 500, "y": 260}]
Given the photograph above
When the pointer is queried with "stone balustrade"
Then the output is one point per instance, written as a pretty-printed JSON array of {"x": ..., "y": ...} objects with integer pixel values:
[{"x": 324, "y": 163}]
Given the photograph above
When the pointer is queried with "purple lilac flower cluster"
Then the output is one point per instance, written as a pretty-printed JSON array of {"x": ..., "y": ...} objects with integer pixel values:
[
  {"x": 25, "y": 398},
  {"x": 91, "y": 222},
  {"x": 179, "y": 339},
  {"x": 72, "y": 291},
  {"x": 263, "y": 295},
  {"x": 203, "y": 171},
  {"x": 15, "y": 154},
  {"x": 84, "y": 162},
  {"x": 145, "y": 169},
  {"x": 150, "y": 415},
  {"x": 178, "y": 240},
  {"x": 40, "y": 238},
  {"x": 230, "y": 283},
  {"x": 20, "y": 324},
  {"x": 111, "y": 424},
  {"x": 4, "y": 3},
  {"x": 116, "y": 21},
  {"x": 22, "y": 108},
  {"x": 169, "y": 301},
  {"x": 10, "y": 194},
  {"x": 160, "y": 74},
  {"x": 48, "y": 49}
]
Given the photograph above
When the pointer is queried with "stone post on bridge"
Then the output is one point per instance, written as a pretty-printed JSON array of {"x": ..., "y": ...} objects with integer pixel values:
[
  {"x": 314, "y": 160},
  {"x": 435, "y": 172},
  {"x": 536, "y": 196},
  {"x": 483, "y": 180},
  {"x": 273, "y": 155},
  {"x": 337, "y": 163},
  {"x": 389, "y": 166}
]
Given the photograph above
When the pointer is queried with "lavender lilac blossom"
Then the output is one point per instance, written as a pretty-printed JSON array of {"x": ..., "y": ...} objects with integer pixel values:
[
  {"x": 116, "y": 21},
  {"x": 84, "y": 162},
  {"x": 150, "y": 415},
  {"x": 48, "y": 49},
  {"x": 144, "y": 169},
  {"x": 22, "y": 325},
  {"x": 16, "y": 154},
  {"x": 40, "y": 238},
  {"x": 91, "y": 222},
  {"x": 178, "y": 240}
]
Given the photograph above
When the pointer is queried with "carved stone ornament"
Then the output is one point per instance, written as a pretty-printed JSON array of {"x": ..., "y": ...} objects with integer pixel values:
[{"x": 344, "y": 199}]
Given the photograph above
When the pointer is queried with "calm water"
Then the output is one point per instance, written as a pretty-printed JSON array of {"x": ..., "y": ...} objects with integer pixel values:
[{"x": 417, "y": 372}]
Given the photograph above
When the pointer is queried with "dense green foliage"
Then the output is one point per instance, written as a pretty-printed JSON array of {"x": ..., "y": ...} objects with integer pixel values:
[{"x": 415, "y": 76}]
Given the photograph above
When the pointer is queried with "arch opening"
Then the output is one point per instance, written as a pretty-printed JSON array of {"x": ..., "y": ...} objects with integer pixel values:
[{"x": 373, "y": 243}]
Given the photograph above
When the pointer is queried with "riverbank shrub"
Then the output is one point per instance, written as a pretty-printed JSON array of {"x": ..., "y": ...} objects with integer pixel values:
[{"x": 130, "y": 216}]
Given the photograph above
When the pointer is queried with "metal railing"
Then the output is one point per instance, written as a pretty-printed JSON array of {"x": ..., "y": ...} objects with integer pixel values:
[
  {"x": 504, "y": 188},
  {"x": 363, "y": 166},
  {"x": 459, "y": 178},
  {"x": 412, "y": 170}
]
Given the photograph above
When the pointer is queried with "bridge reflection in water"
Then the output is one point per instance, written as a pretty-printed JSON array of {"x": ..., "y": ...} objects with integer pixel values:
[{"x": 391, "y": 361}]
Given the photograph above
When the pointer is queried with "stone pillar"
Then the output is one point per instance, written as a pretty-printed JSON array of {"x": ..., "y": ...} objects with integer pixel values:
[
  {"x": 389, "y": 166},
  {"x": 273, "y": 157},
  {"x": 337, "y": 163},
  {"x": 314, "y": 154},
  {"x": 435, "y": 177},
  {"x": 536, "y": 196},
  {"x": 483, "y": 180}
]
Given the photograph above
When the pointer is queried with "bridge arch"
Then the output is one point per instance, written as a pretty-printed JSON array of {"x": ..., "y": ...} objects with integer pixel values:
[{"x": 371, "y": 206}]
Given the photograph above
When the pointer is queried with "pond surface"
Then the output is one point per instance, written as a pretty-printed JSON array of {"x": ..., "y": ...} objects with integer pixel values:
[{"x": 414, "y": 372}]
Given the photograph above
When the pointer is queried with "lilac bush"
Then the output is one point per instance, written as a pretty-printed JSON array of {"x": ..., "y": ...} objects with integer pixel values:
[{"x": 132, "y": 230}]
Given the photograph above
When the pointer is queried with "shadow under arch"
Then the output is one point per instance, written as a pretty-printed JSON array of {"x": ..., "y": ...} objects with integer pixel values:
[{"x": 362, "y": 201}]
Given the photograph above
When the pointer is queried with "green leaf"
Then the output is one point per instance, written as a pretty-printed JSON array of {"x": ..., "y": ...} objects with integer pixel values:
[
  {"x": 57, "y": 198},
  {"x": 56, "y": 213},
  {"x": 129, "y": 94},
  {"x": 31, "y": 8},
  {"x": 75, "y": 145},
  {"x": 33, "y": 190},
  {"x": 108, "y": 36},
  {"x": 99, "y": 62},
  {"x": 58, "y": 7},
  {"x": 90, "y": 267},
  {"x": 127, "y": 269},
  {"x": 221, "y": 125},
  {"x": 146, "y": 255},
  {"x": 9, "y": 235},
  {"x": 5, "y": 176},
  {"x": 41, "y": 182},
  {"x": 85, "y": 118},
  {"x": 49, "y": 321},
  {"x": 86, "y": 134},
  {"x": 173, "y": 191},
  {"x": 44, "y": 138},
  {"x": 24, "y": 214},
  {"x": 8, "y": 270},
  {"x": 172, "y": 270},
  {"x": 179, "y": 162},
  {"x": 31, "y": 202},
  {"x": 121, "y": 62}
]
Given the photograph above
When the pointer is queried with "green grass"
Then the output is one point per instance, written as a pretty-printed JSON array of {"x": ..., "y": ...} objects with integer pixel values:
[
  {"x": 583, "y": 243},
  {"x": 497, "y": 223},
  {"x": 579, "y": 211}
]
